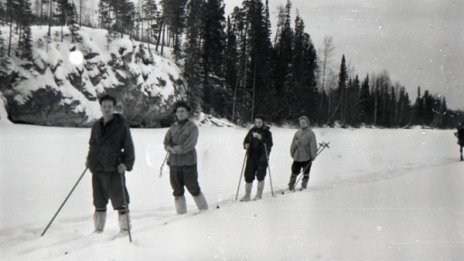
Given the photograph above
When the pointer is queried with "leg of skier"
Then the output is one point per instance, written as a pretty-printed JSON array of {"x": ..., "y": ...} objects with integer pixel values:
[
  {"x": 461, "y": 153},
  {"x": 249, "y": 178}
]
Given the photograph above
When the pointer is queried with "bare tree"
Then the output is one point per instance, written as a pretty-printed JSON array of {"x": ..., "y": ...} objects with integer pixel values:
[{"x": 327, "y": 53}]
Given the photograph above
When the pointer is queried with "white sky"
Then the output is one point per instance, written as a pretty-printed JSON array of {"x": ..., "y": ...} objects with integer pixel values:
[{"x": 420, "y": 42}]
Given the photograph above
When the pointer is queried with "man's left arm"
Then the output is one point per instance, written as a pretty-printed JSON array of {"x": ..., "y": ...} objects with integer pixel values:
[
  {"x": 129, "y": 151},
  {"x": 313, "y": 147}
]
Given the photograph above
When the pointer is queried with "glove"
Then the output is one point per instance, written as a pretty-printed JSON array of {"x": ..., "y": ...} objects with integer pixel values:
[
  {"x": 257, "y": 136},
  {"x": 246, "y": 146},
  {"x": 122, "y": 168}
]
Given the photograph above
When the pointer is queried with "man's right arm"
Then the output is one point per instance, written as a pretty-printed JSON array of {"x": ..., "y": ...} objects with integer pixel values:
[
  {"x": 91, "y": 145},
  {"x": 293, "y": 146},
  {"x": 167, "y": 141},
  {"x": 247, "y": 140}
]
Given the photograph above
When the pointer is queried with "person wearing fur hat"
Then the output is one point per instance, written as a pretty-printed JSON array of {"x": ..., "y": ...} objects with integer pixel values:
[
  {"x": 258, "y": 139},
  {"x": 303, "y": 151},
  {"x": 180, "y": 142}
]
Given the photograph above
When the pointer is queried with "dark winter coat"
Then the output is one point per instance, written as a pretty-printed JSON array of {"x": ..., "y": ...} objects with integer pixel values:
[
  {"x": 110, "y": 145},
  {"x": 460, "y": 135},
  {"x": 304, "y": 145},
  {"x": 256, "y": 146},
  {"x": 185, "y": 136}
]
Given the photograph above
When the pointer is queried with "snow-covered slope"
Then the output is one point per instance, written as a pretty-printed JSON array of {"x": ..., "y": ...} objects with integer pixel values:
[
  {"x": 374, "y": 195},
  {"x": 61, "y": 85}
]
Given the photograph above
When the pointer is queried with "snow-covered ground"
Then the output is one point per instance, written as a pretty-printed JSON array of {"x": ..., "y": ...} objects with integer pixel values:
[{"x": 374, "y": 195}]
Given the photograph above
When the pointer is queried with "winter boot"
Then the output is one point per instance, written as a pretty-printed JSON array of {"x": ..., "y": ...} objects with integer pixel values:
[
  {"x": 201, "y": 202},
  {"x": 99, "y": 219},
  {"x": 248, "y": 188},
  {"x": 259, "y": 192},
  {"x": 181, "y": 205},
  {"x": 291, "y": 184},
  {"x": 304, "y": 184},
  {"x": 124, "y": 221}
]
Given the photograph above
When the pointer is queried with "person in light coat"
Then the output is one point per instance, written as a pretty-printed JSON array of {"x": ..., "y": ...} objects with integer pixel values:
[
  {"x": 303, "y": 151},
  {"x": 180, "y": 142}
]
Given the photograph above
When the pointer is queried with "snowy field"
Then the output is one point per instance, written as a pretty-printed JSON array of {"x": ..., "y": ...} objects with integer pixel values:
[{"x": 374, "y": 195}]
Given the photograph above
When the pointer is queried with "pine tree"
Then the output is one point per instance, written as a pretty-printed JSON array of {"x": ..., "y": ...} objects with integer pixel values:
[
  {"x": 282, "y": 71},
  {"x": 151, "y": 15},
  {"x": 73, "y": 23},
  {"x": 2, "y": 13},
  {"x": 231, "y": 62},
  {"x": 304, "y": 93},
  {"x": 128, "y": 17},
  {"x": 259, "y": 51},
  {"x": 418, "y": 111},
  {"x": 26, "y": 21},
  {"x": 62, "y": 15},
  {"x": 9, "y": 14},
  {"x": 192, "y": 52},
  {"x": 106, "y": 16},
  {"x": 240, "y": 96},
  {"x": 342, "y": 83},
  {"x": 174, "y": 17},
  {"x": 365, "y": 101},
  {"x": 213, "y": 44}
]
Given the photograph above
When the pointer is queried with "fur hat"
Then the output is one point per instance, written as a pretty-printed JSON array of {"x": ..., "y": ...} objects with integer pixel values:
[
  {"x": 260, "y": 116},
  {"x": 182, "y": 104}
]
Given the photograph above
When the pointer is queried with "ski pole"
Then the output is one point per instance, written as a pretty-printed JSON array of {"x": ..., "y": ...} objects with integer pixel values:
[
  {"x": 269, "y": 168},
  {"x": 162, "y": 165},
  {"x": 64, "y": 202},
  {"x": 322, "y": 146},
  {"x": 126, "y": 206},
  {"x": 241, "y": 174}
]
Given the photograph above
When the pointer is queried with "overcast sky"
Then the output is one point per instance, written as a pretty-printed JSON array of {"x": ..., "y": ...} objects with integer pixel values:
[{"x": 420, "y": 42}]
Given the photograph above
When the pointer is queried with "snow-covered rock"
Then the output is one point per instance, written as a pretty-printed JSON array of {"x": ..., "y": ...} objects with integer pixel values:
[
  {"x": 3, "y": 113},
  {"x": 61, "y": 86},
  {"x": 208, "y": 120}
]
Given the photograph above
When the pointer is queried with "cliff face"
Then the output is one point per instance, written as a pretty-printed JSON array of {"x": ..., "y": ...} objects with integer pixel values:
[{"x": 61, "y": 85}]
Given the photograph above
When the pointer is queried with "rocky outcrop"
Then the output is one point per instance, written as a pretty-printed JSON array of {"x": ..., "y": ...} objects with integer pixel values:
[{"x": 52, "y": 90}]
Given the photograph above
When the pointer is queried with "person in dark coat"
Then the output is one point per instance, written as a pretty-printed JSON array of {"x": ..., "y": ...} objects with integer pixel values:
[
  {"x": 111, "y": 154},
  {"x": 256, "y": 142},
  {"x": 460, "y": 135},
  {"x": 180, "y": 142}
]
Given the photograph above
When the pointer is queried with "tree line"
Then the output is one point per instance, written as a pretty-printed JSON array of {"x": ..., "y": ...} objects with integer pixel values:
[{"x": 235, "y": 67}]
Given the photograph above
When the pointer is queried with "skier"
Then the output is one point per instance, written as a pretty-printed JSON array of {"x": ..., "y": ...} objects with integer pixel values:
[
  {"x": 460, "y": 135},
  {"x": 303, "y": 151},
  {"x": 258, "y": 139},
  {"x": 111, "y": 154},
  {"x": 180, "y": 142}
]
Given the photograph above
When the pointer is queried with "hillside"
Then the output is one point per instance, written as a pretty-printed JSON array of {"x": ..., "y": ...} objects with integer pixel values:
[{"x": 61, "y": 85}]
